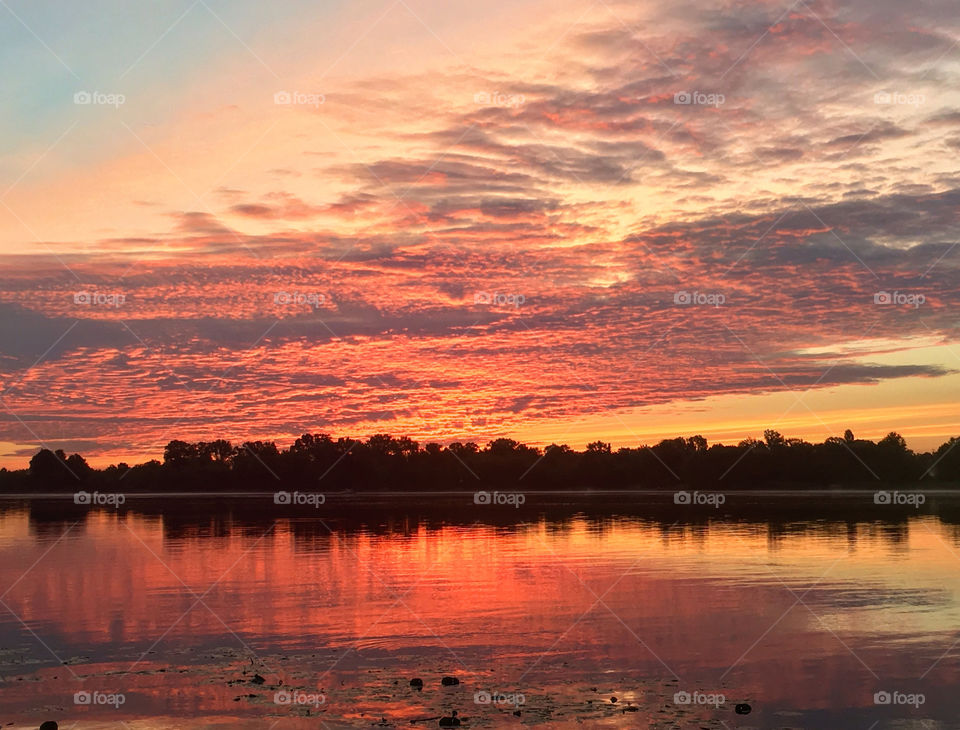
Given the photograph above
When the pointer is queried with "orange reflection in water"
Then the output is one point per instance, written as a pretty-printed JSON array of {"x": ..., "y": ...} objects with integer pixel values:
[{"x": 803, "y": 618}]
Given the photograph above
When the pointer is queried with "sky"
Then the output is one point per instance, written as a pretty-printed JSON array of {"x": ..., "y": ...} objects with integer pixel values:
[{"x": 555, "y": 221}]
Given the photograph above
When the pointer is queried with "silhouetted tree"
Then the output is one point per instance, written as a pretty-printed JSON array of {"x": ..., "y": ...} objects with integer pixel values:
[
  {"x": 598, "y": 447},
  {"x": 946, "y": 461},
  {"x": 78, "y": 467},
  {"x": 50, "y": 467},
  {"x": 318, "y": 461},
  {"x": 180, "y": 453}
]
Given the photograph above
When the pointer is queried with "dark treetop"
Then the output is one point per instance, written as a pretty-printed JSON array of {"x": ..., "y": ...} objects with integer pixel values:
[{"x": 383, "y": 462}]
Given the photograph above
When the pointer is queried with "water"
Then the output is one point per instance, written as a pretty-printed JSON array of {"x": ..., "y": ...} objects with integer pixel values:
[{"x": 556, "y": 607}]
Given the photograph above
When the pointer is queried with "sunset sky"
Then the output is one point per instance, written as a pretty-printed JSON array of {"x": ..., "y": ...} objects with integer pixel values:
[{"x": 555, "y": 221}]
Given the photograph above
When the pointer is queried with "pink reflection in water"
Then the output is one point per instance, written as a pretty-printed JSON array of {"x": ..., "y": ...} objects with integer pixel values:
[{"x": 566, "y": 614}]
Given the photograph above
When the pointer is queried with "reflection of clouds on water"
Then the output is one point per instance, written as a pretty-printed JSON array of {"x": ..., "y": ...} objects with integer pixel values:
[{"x": 511, "y": 607}]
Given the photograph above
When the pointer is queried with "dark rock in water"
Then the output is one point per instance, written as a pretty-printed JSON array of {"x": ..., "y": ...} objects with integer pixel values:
[
  {"x": 449, "y": 681},
  {"x": 742, "y": 709},
  {"x": 452, "y": 720},
  {"x": 416, "y": 683},
  {"x": 49, "y": 725},
  {"x": 613, "y": 700},
  {"x": 257, "y": 679}
]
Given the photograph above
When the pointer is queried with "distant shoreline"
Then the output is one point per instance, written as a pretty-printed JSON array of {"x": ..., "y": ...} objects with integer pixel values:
[
  {"x": 318, "y": 464},
  {"x": 953, "y": 489}
]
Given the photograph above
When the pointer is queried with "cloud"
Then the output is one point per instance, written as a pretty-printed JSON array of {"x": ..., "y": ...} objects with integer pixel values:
[{"x": 341, "y": 284}]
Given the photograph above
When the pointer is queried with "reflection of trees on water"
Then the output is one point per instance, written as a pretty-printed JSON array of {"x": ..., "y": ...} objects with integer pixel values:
[{"x": 845, "y": 516}]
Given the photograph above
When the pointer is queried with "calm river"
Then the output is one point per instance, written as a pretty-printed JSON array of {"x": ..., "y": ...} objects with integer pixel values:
[{"x": 250, "y": 617}]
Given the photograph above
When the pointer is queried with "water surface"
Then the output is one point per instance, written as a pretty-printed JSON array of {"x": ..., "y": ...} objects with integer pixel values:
[{"x": 559, "y": 608}]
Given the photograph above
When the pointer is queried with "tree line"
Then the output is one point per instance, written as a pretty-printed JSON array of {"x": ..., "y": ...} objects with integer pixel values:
[{"x": 383, "y": 462}]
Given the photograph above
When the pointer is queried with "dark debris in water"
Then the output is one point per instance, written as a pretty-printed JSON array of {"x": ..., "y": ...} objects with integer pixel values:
[{"x": 410, "y": 693}]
